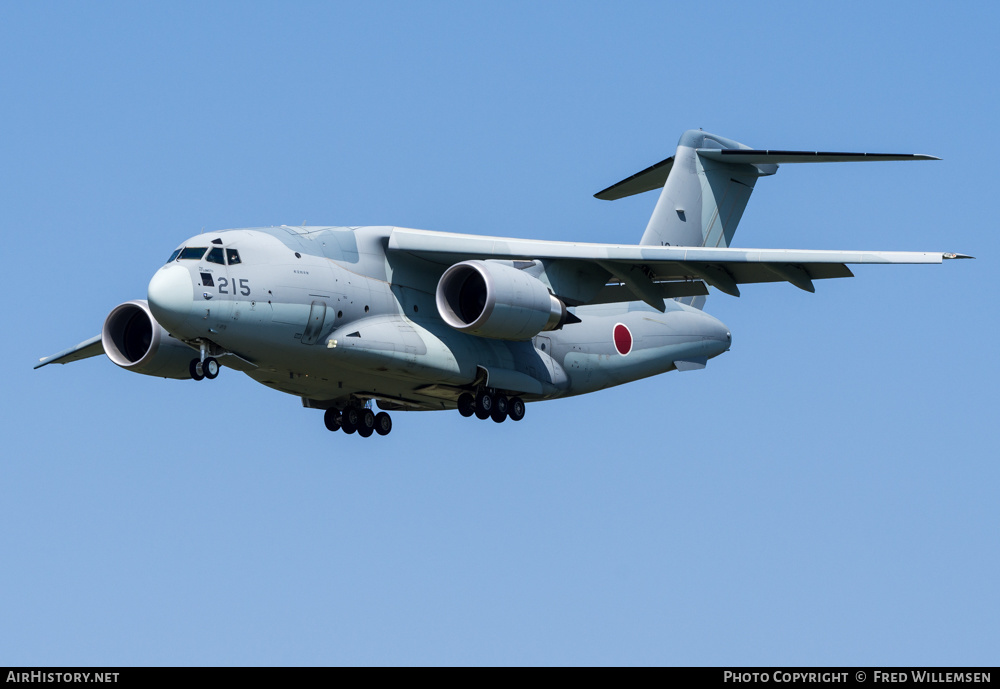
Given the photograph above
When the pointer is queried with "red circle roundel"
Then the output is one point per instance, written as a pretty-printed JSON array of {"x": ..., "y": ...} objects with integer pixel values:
[{"x": 623, "y": 339}]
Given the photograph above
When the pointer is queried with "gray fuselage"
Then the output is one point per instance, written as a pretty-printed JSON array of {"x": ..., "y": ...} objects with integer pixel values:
[{"x": 329, "y": 315}]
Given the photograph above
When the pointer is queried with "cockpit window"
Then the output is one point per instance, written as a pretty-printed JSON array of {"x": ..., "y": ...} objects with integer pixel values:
[
  {"x": 192, "y": 253},
  {"x": 215, "y": 256},
  {"x": 174, "y": 255},
  {"x": 234, "y": 256}
]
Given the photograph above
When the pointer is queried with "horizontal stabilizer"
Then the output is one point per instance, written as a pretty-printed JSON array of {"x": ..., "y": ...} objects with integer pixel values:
[
  {"x": 755, "y": 157},
  {"x": 653, "y": 177},
  {"x": 84, "y": 350}
]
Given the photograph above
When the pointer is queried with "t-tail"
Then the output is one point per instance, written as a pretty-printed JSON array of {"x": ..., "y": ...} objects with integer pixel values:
[{"x": 707, "y": 183}]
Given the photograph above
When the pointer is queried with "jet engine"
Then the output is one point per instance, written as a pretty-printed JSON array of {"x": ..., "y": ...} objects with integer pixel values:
[
  {"x": 135, "y": 341},
  {"x": 495, "y": 300}
]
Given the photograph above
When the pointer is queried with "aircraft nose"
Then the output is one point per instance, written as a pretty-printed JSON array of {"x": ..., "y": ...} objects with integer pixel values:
[{"x": 171, "y": 294}]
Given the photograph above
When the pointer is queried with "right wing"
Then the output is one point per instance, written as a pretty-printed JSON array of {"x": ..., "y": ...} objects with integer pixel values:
[{"x": 650, "y": 273}]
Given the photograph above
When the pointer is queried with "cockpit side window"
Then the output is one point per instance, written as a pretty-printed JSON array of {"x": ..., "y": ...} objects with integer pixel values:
[
  {"x": 192, "y": 253},
  {"x": 234, "y": 256},
  {"x": 174, "y": 255},
  {"x": 215, "y": 256}
]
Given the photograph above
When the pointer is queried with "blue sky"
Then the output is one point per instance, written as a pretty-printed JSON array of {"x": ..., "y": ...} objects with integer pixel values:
[{"x": 825, "y": 493}]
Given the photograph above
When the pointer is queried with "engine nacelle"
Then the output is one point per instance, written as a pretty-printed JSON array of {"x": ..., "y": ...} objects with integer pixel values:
[
  {"x": 135, "y": 341},
  {"x": 496, "y": 300}
]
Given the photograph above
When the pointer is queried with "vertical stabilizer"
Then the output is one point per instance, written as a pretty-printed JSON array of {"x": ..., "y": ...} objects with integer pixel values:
[
  {"x": 702, "y": 200},
  {"x": 706, "y": 184}
]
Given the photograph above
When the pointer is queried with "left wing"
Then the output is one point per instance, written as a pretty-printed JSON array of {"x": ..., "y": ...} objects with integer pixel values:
[
  {"x": 646, "y": 269},
  {"x": 84, "y": 350}
]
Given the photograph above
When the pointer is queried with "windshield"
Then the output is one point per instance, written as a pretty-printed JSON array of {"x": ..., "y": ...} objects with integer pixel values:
[
  {"x": 192, "y": 253},
  {"x": 215, "y": 256}
]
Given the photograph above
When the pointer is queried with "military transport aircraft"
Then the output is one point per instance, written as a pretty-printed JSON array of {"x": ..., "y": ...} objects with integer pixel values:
[{"x": 415, "y": 320}]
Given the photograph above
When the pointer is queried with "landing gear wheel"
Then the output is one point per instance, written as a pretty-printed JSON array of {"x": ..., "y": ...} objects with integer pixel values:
[
  {"x": 499, "y": 412},
  {"x": 196, "y": 369},
  {"x": 466, "y": 404},
  {"x": 210, "y": 367},
  {"x": 349, "y": 420},
  {"x": 515, "y": 409},
  {"x": 383, "y": 423},
  {"x": 331, "y": 417},
  {"x": 484, "y": 405},
  {"x": 367, "y": 425}
]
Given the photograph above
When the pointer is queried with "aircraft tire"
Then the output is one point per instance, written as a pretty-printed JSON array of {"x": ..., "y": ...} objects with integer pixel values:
[
  {"x": 366, "y": 423},
  {"x": 331, "y": 417},
  {"x": 196, "y": 370},
  {"x": 466, "y": 404},
  {"x": 366, "y": 426},
  {"x": 211, "y": 368},
  {"x": 383, "y": 423},
  {"x": 349, "y": 420},
  {"x": 484, "y": 405},
  {"x": 515, "y": 409},
  {"x": 499, "y": 413}
]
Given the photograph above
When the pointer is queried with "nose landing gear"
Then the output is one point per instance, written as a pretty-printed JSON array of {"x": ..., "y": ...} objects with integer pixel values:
[
  {"x": 204, "y": 366},
  {"x": 209, "y": 368}
]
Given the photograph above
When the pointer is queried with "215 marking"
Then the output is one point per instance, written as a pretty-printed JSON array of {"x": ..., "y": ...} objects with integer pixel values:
[{"x": 244, "y": 286}]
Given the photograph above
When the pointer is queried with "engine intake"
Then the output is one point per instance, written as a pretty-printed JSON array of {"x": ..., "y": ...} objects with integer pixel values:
[
  {"x": 498, "y": 301},
  {"x": 135, "y": 341}
]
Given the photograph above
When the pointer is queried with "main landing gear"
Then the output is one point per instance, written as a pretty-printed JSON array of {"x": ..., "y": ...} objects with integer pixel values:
[
  {"x": 490, "y": 404},
  {"x": 358, "y": 419}
]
